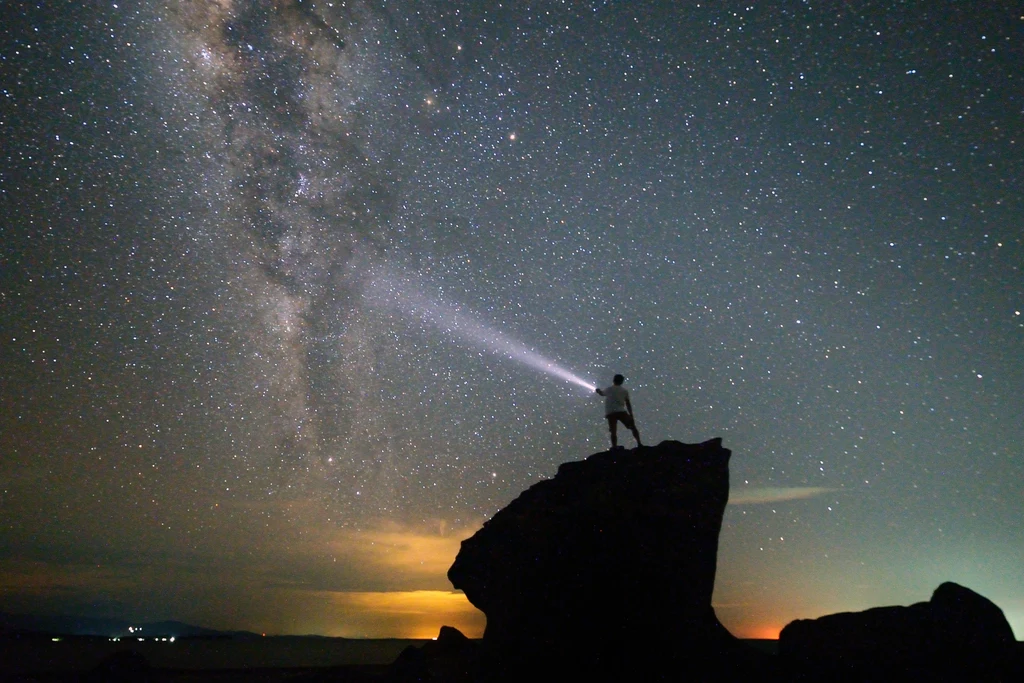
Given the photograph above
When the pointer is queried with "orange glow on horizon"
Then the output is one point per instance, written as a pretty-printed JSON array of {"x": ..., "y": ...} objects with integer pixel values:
[
  {"x": 402, "y": 614},
  {"x": 754, "y": 630},
  {"x": 759, "y": 632}
]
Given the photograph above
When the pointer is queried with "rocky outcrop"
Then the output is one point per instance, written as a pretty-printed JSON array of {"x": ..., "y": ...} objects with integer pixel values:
[
  {"x": 956, "y": 636},
  {"x": 607, "y": 568},
  {"x": 450, "y": 658}
]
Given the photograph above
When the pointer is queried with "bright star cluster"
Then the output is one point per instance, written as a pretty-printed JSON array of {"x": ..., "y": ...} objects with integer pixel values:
[{"x": 797, "y": 227}]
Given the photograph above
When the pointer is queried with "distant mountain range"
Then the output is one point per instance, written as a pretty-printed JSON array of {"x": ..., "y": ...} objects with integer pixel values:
[{"x": 111, "y": 628}]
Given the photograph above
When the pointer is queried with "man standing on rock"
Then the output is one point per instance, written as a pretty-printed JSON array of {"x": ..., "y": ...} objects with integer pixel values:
[{"x": 617, "y": 408}]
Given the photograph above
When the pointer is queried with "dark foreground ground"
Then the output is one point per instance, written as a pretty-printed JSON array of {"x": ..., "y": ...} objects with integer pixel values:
[
  {"x": 199, "y": 659},
  {"x": 263, "y": 660}
]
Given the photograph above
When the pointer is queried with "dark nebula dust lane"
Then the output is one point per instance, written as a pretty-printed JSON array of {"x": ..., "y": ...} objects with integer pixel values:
[{"x": 283, "y": 286}]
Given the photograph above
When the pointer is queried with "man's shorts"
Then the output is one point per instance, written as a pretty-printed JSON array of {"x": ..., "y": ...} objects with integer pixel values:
[{"x": 621, "y": 416}]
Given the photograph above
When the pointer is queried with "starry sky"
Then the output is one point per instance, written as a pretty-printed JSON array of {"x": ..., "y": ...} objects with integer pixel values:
[{"x": 243, "y": 242}]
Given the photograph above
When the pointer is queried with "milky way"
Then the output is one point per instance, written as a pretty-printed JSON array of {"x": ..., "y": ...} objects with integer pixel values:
[{"x": 268, "y": 268}]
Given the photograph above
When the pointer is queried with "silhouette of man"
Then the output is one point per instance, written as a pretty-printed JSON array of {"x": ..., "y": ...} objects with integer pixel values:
[{"x": 617, "y": 408}]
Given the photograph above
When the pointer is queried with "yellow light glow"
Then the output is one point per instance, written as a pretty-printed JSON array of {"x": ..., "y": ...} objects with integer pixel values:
[{"x": 392, "y": 614}]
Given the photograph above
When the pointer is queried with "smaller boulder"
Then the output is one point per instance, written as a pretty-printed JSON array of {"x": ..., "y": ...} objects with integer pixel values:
[
  {"x": 957, "y": 635},
  {"x": 977, "y": 624},
  {"x": 450, "y": 658}
]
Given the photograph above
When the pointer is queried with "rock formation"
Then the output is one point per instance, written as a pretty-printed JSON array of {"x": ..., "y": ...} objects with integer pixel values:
[
  {"x": 957, "y": 636},
  {"x": 605, "y": 573},
  {"x": 607, "y": 568},
  {"x": 450, "y": 658}
]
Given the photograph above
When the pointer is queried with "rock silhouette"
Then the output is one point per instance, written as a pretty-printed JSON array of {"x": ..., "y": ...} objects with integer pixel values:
[
  {"x": 608, "y": 570},
  {"x": 451, "y": 657},
  {"x": 956, "y": 636}
]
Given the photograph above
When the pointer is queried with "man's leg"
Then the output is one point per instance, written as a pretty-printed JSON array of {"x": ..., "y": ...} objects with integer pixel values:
[
  {"x": 632, "y": 427},
  {"x": 613, "y": 428}
]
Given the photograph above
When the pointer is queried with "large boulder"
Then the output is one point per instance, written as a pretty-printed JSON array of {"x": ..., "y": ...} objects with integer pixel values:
[
  {"x": 958, "y": 635},
  {"x": 607, "y": 569}
]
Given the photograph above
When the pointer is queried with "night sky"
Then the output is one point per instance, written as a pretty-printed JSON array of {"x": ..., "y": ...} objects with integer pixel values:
[{"x": 262, "y": 264}]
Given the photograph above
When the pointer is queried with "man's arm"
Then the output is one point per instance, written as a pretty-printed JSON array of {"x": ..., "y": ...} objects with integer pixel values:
[
  {"x": 629, "y": 406},
  {"x": 599, "y": 392}
]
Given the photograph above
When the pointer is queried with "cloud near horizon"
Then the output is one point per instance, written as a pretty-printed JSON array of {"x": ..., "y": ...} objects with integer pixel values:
[
  {"x": 388, "y": 580},
  {"x": 772, "y": 494}
]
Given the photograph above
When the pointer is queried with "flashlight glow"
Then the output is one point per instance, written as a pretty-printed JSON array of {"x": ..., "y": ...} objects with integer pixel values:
[{"x": 387, "y": 289}]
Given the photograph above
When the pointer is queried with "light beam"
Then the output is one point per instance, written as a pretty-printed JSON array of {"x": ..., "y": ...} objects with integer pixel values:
[{"x": 387, "y": 289}]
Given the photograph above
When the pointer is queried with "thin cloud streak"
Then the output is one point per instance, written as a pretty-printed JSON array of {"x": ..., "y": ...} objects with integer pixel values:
[{"x": 771, "y": 494}]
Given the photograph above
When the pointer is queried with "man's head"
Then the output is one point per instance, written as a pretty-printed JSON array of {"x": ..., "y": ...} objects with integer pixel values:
[{"x": 618, "y": 379}]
